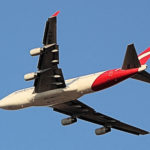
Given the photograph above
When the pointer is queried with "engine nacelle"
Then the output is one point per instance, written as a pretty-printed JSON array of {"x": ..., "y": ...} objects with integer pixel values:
[
  {"x": 68, "y": 121},
  {"x": 36, "y": 51},
  {"x": 102, "y": 130},
  {"x": 30, "y": 76}
]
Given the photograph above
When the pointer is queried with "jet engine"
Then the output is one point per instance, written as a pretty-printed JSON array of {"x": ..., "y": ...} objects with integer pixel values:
[
  {"x": 30, "y": 76},
  {"x": 102, "y": 130},
  {"x": 68, "y": 121},
  {"x": 36, "y": 51}
]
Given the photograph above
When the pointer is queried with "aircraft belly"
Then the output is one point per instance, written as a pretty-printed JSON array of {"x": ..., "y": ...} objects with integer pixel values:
[
  {"x": 54, "y": 97},
  {"x": 74, "y": 89}
]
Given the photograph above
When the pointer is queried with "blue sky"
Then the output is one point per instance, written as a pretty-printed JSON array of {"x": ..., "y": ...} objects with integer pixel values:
[{"x": 93, "y": 36}]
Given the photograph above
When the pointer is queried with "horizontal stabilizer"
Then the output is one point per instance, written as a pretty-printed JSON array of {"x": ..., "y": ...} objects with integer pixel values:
[
  {"x": 131, "y": 59},
  {"x": 142, "y": 76}
]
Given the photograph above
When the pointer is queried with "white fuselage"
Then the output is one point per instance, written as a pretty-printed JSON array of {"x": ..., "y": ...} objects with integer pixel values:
[{"x": 74, "y": 89}]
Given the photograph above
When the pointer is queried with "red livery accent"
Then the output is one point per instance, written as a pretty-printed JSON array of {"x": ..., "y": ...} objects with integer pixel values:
[
  {"x": 144, "y": 56},
  {"x": 55, "y": 14},
  {"x": 112, "y": 77}
]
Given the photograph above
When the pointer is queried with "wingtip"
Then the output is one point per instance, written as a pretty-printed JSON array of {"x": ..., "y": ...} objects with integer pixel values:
[
  {"x": 56, "y": 14},
  {"x": 146, "y": 132}
]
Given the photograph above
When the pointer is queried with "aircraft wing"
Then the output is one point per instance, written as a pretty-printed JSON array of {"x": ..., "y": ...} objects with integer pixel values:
[
  {"x": 84, "y": 112},
  {"x": 49, "y": 76}
]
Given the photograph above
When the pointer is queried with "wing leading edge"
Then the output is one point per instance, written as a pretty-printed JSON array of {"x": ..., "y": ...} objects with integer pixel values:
[{"x": 79, "y": 110}]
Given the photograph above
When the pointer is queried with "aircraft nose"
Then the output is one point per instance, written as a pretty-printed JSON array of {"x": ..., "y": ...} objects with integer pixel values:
[
  {"x": 7, "y": 104},
  {"x": 15, "y": 101},
  {"x": 3, "y": 104}
]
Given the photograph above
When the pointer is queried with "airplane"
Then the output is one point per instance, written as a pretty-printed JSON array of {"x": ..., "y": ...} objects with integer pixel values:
[{"x": 51, "y": 90}]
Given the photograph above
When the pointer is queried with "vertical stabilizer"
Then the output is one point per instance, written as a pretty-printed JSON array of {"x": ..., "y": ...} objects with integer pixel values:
[{"x": 131, "y": 59}]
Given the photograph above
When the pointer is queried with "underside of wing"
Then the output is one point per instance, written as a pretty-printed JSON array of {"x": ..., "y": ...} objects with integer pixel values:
[
  {"x": 76, "y": 109},
  {"x": 50, "y": 30},
  {"x": 48, "y": 76}
]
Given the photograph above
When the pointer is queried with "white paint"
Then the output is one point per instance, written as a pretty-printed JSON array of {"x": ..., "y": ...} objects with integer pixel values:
[
  {"x": 144, "y": 55},
  {"x": 30, "y": 76},
  {"x": 74, "y": 89},
  {"x": 142, "y": 68},
  {"x": 36, "y": 51},
  {"x": 17, "y": 100}
]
